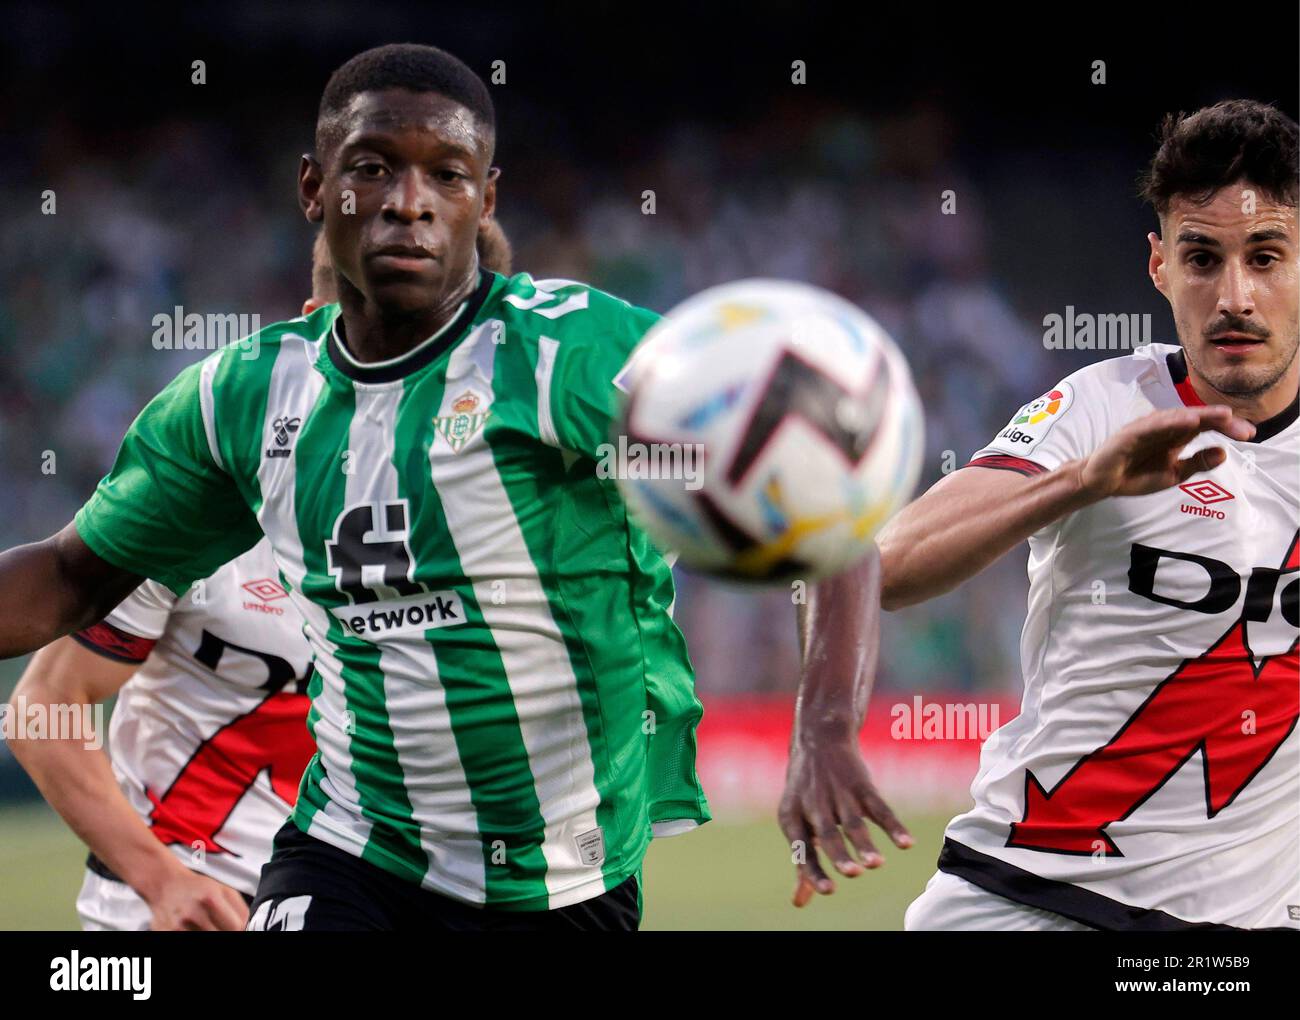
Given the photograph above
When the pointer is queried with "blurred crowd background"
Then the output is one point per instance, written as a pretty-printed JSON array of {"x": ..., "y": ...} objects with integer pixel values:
[{"x": 171, "y": 193}]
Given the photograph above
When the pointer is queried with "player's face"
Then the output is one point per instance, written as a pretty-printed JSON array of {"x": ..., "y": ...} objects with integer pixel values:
[
  {"x": 1229, "y": 270},
  {"x": 402, "y": 195}
]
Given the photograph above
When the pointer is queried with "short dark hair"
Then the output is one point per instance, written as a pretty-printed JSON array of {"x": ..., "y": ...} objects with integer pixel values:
[
  {"x": 1234, "y": 140},
  {"x": 401, "y": 66}
]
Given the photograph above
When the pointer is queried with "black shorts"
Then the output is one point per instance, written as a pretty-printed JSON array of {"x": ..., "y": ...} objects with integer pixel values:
[{"x": 311, "y": 886}]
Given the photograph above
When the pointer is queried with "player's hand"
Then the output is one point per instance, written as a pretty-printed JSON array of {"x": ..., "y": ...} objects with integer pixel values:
[
  {"x": 188, "y": 901},
  {"x": 828, "y": 796},
  {"x": 1143, "y": 456}
]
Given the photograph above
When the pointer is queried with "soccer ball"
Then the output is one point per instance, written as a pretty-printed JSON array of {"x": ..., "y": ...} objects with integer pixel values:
[{"x": 769, "y": 430}]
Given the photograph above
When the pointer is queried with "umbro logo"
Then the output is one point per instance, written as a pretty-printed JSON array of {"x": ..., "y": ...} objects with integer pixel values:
[
  {"x": 266, "y": 590},
  {"x": 1206, "y": 493},
  {"x": 282, "y": 432}
]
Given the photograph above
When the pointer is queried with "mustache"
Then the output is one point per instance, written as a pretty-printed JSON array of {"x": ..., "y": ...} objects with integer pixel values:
[{"x": 1236, "y": 324}]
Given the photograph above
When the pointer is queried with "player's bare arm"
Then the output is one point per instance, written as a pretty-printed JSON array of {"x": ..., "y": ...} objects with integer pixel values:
[
  {"x": 77, "y": 780},
  {"x": 973, "y": 517},
  {"x": 76, "y": 588},
  {"x": 828, "y": 788}
]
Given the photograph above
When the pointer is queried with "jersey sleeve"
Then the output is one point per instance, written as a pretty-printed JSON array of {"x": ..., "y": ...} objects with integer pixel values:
[
  {"x": 145, "y": 611},
  {"x": 114, "y": 643},
  {"x": 587, "y": 372},
  {"x": 168, "y": 510},
  {"x": 130, "y": 631},
  {"x": 1057, "y": 427}
]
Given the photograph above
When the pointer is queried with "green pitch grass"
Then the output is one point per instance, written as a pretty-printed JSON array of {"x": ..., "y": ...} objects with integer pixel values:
[
  {"x": 731, "y": 875},
  {"x": 41, "y": 867}
]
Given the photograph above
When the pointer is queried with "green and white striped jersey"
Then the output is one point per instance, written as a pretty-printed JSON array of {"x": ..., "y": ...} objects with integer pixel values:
[{"x": 502, "y": 704}]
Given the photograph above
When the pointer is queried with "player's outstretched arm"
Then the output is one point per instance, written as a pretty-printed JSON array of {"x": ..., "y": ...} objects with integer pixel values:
[
  {"x": 828, "y": 788},
  {"x": 51, "y": 588},
  {"x": 974, "y": 516},
  {"x": 74, "y": 775}
]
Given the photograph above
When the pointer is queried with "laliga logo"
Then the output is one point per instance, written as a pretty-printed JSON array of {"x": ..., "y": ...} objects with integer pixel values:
[{"x": 1045, "y": 406}]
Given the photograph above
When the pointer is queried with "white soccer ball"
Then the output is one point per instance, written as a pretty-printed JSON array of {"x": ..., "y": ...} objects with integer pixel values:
[{"x": 769, "y": 430}]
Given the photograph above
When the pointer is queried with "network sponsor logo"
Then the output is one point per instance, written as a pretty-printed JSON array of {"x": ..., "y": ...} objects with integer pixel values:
[
  {"x": 45, "y": 721},
  {"x": 77, "y": 973},
  {"x": 397, "y": 617}
]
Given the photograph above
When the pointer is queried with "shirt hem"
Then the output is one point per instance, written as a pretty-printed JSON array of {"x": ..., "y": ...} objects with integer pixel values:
[
  {"x": 319, "y": 826},
  {"x": 1075, "y": 902}
]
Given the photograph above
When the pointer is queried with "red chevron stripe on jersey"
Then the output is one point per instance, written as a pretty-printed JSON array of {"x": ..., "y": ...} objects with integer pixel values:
[
  {"x": 1199, "y": 708},
  {"x": 209, "y": 736},
  {"x": 273, "y": 738}
]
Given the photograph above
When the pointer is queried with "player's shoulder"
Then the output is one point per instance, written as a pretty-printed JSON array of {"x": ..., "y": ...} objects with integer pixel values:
[
  {"x": 565, "y": 309},
  {"x": 1125, "y": 372},
  {"x": 1114, "y": 389},
  {"x": 146, "y": 612},
  {"x": 254, "y": 354},
  {"x": 1075, "y": 414}
]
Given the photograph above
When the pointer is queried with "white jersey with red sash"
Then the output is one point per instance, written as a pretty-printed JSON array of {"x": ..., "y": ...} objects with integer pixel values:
[
  {"x": 1152, "y": 778},
  {"x": 209, "y": 738}
]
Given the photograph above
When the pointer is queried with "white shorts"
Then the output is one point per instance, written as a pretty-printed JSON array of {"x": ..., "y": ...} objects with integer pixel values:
[
  {"x": 950, "y": 903},
  {"x": 106, "y": 905}
]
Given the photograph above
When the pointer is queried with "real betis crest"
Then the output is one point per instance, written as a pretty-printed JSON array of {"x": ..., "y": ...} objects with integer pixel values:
[{"x": 466, "y": 418}]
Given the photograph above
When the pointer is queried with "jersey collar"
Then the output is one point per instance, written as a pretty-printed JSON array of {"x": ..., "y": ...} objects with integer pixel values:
[
  {"x": 1264, "y": 430},
  {"x": 413, "y": 360}
]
